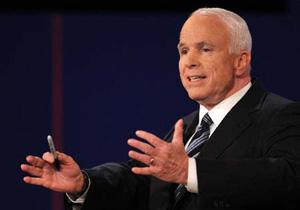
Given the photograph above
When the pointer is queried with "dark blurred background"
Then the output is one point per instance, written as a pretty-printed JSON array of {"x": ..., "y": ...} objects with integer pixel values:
[{"x": 91, "y": 74}]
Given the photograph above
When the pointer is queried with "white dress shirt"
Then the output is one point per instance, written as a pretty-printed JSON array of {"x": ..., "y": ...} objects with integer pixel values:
[{"x": 217, "y": 114}]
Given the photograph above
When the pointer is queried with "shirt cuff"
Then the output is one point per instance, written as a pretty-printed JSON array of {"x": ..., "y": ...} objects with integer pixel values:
[
  {"x": 192, "y": 182},
  {"x": 81, "y": 199}
]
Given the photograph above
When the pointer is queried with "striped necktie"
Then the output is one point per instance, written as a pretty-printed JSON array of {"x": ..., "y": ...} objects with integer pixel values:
[{"x": 198, "y": 140}]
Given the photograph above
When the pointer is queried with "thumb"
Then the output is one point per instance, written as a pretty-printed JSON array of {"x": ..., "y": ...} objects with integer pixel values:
[
  {"x": 178, "y": 132},
  {"x": 48, "y": 157}
]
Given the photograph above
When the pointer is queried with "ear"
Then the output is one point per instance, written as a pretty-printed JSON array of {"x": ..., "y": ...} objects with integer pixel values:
[{"x": 242, "y": 63}]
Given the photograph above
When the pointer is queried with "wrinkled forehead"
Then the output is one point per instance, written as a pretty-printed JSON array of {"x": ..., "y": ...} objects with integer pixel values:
[
  {"x": 205, "y": 20},
  {"x": 203, "y": 25}
]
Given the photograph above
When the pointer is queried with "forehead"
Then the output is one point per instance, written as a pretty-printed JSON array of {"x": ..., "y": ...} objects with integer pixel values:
[{"x": 208, "y": 28}]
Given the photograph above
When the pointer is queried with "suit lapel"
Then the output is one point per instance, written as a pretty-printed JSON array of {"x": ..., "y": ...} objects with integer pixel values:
[
  {"x": 190, "y": 125},
  {"x": 235, "y": 122}
]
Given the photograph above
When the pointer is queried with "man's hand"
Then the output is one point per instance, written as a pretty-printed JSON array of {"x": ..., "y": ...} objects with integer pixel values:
[
  {"x": 67, "y": 179},
  {"x": 166, "y": 161}
]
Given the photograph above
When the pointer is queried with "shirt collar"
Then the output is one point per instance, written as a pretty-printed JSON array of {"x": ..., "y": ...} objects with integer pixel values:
[{"x": 219, "y": 111}]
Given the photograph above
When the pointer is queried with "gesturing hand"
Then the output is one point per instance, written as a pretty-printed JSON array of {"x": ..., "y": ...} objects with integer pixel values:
[
  {"x": 164, "y": 160},
  {"x": 42, "y": 170}
]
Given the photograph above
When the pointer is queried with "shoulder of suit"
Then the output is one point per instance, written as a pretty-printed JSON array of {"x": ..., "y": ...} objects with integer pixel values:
[
  {"x": 277, "y": 110},
  {"x": 273, "y": 101}
]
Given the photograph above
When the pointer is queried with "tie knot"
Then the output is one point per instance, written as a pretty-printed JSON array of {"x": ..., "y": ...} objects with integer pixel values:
[{"x": 206, "y": 120}]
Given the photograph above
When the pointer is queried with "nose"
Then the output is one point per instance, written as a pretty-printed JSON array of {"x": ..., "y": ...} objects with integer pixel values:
[{"x": 192, "y": 60}]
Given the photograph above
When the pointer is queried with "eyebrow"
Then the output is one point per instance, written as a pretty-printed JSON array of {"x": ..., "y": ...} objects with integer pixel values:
[
  {"x": 198, "y": 45},
  {"x": 179, "y": 45}
]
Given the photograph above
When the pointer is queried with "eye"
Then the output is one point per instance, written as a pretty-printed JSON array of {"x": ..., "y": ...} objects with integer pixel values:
[
  {"x": 206, "y": 49},
  {"x": 183, "y": 51}
]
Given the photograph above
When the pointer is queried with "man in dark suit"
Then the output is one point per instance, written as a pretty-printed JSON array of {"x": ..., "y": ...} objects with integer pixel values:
[{"x": 240, "y": 150}]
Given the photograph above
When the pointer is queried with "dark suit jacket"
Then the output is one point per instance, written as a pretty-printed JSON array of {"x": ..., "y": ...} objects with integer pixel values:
[{"x": 252, "y": 160}]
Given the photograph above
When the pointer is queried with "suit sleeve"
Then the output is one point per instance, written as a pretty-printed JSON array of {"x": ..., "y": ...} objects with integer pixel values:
[
  {"x": 271, "y": 177},
  {"x": 114, "y": 186}
]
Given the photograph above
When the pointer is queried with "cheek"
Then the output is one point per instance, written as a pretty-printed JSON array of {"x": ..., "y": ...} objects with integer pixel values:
[
  {"x": 222, "y": 79},
  {"x": 180, "y": 65},
  {"x": 217, "y": 78},
  {"x": 181, "y": 69}
]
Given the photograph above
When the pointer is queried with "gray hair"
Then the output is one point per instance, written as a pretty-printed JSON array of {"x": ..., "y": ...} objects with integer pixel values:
[{"x": 240, "y": 35}]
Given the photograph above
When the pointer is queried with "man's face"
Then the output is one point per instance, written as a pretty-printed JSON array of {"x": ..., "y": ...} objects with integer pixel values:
[{"x": 206, "y": 67}]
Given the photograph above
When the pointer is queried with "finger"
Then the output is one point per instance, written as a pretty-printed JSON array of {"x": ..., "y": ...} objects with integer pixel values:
[
  {"x": 33, "y": 180},
  {"x": 144, "y": 147},
  {"x": 47, "y": 156},
  {"x": 32, "y": 170},
  {"x": 178, "y": 132},
  {"x": 146, "y": 159},
  {"x": 142, "y": 171},
  {"x": 35, "y": 161},
  {"x": 149, "y": 137}
]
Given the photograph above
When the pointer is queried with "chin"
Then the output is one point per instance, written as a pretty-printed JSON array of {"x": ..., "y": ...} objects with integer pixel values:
[{"x": 196, "y": 97}]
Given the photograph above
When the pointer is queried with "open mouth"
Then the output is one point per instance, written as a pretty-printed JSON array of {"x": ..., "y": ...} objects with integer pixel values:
[{"x": 195, "y": 78}]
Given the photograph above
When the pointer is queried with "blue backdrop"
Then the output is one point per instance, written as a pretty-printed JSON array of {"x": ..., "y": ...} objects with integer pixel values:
[{"x": 120, "y": 74}]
